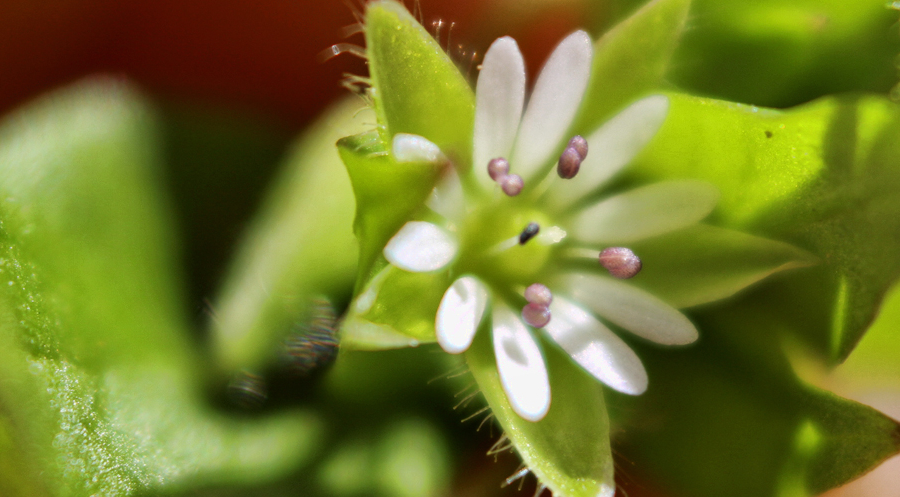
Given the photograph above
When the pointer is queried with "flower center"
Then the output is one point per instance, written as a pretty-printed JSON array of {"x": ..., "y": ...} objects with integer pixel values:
[{"x": 502, "y": 243}]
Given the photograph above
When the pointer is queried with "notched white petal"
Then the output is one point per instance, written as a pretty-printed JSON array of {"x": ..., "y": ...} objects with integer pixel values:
[
  {"x": 647, "y": 211},
  {"x": 631, "y": 308},
  {"x": 460, "y": 313},
  {"x": 415, "y": 148},
  {"x": 555, "y": 100},
  {"x": 613, "y": 146},
  {"x": 499, "y": 98},
  {"x": 421, "y": 247},
  {"x": 596, "y": 348},
  {"x": 521, "y": 366}
]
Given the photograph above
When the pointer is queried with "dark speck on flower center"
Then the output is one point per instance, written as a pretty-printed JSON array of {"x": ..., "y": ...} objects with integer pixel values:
[{"x": 529, "y": 232}]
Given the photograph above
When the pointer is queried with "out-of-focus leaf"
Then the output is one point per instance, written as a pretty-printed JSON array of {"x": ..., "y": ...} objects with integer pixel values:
[
  {"x": 728, "y": 417},
  {"x": 823, "y": 177},
  {"x": 780, "y": 54},
  {"x": 568, "y": 450},
  {"x": 99, "y": 394},
  {"x": 631, "y": 60},
  {"x": 416, "y": 88},
  {"x": 300, "y": 247}
]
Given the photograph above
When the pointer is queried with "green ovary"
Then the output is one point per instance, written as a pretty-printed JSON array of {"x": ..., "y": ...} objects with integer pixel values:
[{"x": 489, "y": 227}]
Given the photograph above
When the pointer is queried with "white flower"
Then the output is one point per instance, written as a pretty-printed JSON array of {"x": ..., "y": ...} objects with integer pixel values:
[{"x": 520, "y": 239}]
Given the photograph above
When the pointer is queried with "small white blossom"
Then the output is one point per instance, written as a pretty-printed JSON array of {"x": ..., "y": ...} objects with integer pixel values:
[{"x": 513, "y": 229}]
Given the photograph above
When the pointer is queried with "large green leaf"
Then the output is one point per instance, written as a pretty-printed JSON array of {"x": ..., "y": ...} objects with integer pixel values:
[
  {"x": 568, "y": 450},
  {"x": 416, "y": 88},
  {"x": 631, "y": 60},
  {"x": 823, "y": 177},
  {"x": 99, "y": 393},
  {"x": 728, "y": 417}
]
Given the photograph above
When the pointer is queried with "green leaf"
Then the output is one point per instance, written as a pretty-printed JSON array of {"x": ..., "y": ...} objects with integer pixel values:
[
  {"x": 728, "y": 417},
  {"x": 416, "y": 88},
  {"x": 300, "y": 247},
  {"x": 704, "y": 264},
  {"x": 631, "y": 60},
  {"x": 569, "y": 449},
  {"x": 388, "y": 193},
  {"x": 99, "y": 394},
  {"x": 823, "y": 177}
]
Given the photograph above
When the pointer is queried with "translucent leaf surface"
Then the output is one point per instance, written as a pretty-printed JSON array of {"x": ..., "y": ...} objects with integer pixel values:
[
  {"x": 99, "y": 394},
  {"x": 823, "y": 177}
]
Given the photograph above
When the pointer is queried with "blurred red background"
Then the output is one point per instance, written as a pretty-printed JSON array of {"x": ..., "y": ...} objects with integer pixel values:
[{"x": 256, "y": 56}]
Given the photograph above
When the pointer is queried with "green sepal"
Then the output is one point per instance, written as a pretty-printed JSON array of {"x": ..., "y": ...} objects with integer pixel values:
[
  {"x": 708, "y": 427},
  {"x": 416, "y": 88},
  {"x": 822, "y": 177},
  {"x": 703, "y": 264},
  {"x": 568, "y": 450},
  {"x": 381, "y": 316},
  {"x": 388, "y": 194},
  {"x": 100, "y": 393},
  {"x": 631, "y": 59}
]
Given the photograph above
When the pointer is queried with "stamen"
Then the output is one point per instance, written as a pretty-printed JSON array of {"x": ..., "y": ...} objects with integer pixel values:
[
  {"x": 528, "y": 233},
  {"x": 536, "y": 315},
  {"x": 498, "y": 168},
  {"x": 512, "y": 184},
  {"x": 580, "y": 145},
  {"x": 538, "y": 294},
  {"x": 569, "y": 163},
  {"x": 621, "y": 262}
]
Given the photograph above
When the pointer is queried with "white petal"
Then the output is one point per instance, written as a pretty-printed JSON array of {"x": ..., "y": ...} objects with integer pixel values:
[
  {"x": 647, "y": 211},
  {"x": 523, "y": 373},
  {"x": 499, "y": 98},
  {"x": 597, "y": 349},
  {"x": 613, "y": 146},
  {"x": 460, "y": 313},
  {"x": 555, "y": 100},
  {"x": 415, "y": 148},
  {"x": 447, "y": 198},
  {"x": 631, "y": 308},
  {"x": 420, "y": 247}
]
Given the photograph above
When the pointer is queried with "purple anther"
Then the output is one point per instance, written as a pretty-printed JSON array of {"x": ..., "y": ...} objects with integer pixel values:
[
  {"x": 498, "y": 168},
  {"x": 512, "y": 184},
  {"x": 538, "y": 294},
  {"x": 620, "y": 262},
  {"x": 536, "y": 315},
  {"x": 580, "y": 145},
  {"x": 569, "y": 163}
]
